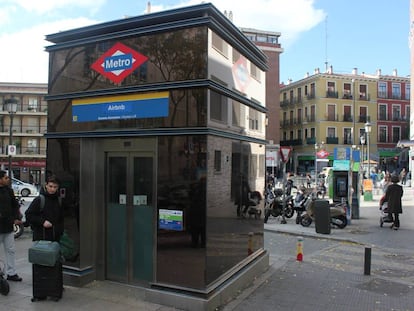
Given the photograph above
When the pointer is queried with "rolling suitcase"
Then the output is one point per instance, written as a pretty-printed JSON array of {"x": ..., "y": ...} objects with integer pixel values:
[{"x": 47, "y": 282}]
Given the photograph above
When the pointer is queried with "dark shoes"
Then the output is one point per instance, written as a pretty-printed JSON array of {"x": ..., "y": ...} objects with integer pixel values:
[{"x": 14, "y": 278}]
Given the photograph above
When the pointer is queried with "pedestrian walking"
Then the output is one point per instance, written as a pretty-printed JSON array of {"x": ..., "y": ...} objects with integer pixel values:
[
  {"x": 308, "y": 180},
  {"x": 393, "y": 197},
  {"x": 9, "y": 215}
]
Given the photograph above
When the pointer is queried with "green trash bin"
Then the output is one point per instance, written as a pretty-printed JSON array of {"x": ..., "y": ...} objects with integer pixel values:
[{"x": 322, "y": 216}]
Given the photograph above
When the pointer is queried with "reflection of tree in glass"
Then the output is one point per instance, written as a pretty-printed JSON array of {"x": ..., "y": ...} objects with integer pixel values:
[{"x": 178, "y": 56}]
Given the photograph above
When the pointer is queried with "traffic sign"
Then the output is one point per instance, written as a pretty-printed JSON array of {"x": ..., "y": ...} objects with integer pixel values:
[
  {"x": 285, "y": 153},
  {"x": 11, "y": 150}
]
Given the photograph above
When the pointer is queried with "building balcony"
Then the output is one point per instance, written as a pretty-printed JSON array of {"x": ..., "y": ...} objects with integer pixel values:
[
  {"x": 347, "y": 118},
  {"x": 310, "y": 140},
  {"x": 332, "y": 140},
  {"x": 331, "y": 94},
  {"x": 291, "y": 142}
]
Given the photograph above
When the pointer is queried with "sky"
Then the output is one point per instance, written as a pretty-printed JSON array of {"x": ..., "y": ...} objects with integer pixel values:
[{"x": 345, "y": 34}]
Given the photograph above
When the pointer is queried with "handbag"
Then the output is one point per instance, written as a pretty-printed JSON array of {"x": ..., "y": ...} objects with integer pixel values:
[
  {"x": 45, "y": 253},
  {"x": 67, "y": 247}
]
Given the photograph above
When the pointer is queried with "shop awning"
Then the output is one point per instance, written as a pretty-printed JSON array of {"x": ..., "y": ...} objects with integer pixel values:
[{"x": 405, "y": 143}]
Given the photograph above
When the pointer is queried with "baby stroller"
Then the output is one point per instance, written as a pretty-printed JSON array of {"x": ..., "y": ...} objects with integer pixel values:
[
  {"x": 384, "y": 215},
  {"x": 4, "y": 285}
]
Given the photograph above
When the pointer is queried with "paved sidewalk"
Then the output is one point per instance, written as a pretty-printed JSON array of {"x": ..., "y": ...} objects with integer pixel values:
[
  {"x": 334, "y": 278},
  {"x": 283, "y": 276}
]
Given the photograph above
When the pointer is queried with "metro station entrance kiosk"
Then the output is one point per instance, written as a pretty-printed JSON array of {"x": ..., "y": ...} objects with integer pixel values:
[{"x": 152, "y": 131}]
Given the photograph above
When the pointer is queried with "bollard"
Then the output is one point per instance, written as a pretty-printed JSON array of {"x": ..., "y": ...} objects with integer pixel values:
[
  {"x": 299, "y": 249},
  {"x": 250, "y": 244},
  {"x": 367, "y": 261}
]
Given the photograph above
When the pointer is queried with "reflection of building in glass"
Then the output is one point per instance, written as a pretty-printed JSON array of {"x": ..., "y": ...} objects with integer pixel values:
[{"x": 152, "y": 197}]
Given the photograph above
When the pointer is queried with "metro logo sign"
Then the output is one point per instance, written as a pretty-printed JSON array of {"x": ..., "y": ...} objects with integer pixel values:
[
  {"x": 322, "y": 154},
  {"x": 118, "y": 62}
]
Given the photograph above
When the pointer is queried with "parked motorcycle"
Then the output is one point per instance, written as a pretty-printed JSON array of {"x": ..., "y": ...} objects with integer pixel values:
[
  {"x": 251, "y": 207},
  {"x": 302, "y": 201},
  {"x": 337, "y": 212},
  {"x": 277, "y": 204}
]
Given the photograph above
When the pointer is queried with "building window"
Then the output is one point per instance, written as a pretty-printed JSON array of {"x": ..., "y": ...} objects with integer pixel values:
[
  {"x": 32, "y": 104},
  {"x": 396, "y": 134},
  {"x": 255, "y": 120},
  {"x": 363, "y": 92},
  {"x": 254, "y": 71},
  {"x": 239, "y": 114},
  {"x": 217, "y": 161},
  {"x": 299, "y": 95},
  {"x": 236, "y": 55},
  {"x": 382, "y": 90},
  {"x": 382, "y": 135},
  {"x": 396, "y": 112},
  {"x": 218, "y": 107},
  {"x": 396, "y": 91},
  {"x": 219, "y": 44},
  {"x": 331, "y": 132},
  {"x": 382, "y": 112},
  {"x": 347, "y": 90},
  {"x": 313, "y": 132},
  {"x": 32, "y": 146},
  {"x": 347, "y": 136},
  {"x": 407, "y": 91},
  {"x": 331, "y": 90}
]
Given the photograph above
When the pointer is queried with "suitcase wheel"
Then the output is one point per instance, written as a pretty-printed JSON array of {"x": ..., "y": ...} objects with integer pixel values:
[{"x": 34, "y": 299}]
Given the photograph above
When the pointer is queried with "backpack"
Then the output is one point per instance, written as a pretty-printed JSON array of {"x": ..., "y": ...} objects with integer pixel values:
[{"x": 42, "y": 201}]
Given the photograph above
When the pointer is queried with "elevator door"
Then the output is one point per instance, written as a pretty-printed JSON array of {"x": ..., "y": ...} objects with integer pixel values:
[{"x": 129, "y": 217}]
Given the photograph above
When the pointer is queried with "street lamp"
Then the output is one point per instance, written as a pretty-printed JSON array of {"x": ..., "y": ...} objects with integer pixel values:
[
  {"x": 316, "y": 156},
  {"x": 11, "y": 108},
  {"x": 362, "y": 138},
  {"x": 368, "y": 127},
  {"x": 353, "y": 112}
]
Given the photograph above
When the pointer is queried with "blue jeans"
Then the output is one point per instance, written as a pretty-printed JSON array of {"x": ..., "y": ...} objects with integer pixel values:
[{"x": 7, "y": 239}]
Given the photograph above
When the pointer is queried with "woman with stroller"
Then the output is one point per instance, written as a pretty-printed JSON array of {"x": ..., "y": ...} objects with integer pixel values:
[{"x": 393, "y": 197}]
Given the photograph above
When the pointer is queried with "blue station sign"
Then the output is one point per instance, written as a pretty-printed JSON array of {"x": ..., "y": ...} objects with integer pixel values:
[{"x": 149, "y": 105}]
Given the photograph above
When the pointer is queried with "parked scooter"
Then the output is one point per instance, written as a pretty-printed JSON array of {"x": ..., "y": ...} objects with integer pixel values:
[
  {"x": 337, "y": 211},
  {"x": 277, "y": 204},
  {"x": 302, "y": 201},
  {"x": 251, "y": 207}
]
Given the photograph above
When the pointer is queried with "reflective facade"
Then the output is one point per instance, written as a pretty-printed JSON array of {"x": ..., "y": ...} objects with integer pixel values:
[{"x": 156, "y": 201}]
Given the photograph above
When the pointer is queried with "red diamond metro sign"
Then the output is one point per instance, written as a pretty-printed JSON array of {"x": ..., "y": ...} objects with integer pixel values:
[
  {"x": 322, "y": 154},
  {"x": 118, "y": 62}
]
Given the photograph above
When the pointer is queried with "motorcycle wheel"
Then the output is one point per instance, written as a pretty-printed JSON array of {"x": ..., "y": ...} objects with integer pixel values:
[
  {"x": 342, "y": 222},
  {"x": 266, "y": 216},
  {"x": 18, "y": 230},
  {"x": 305, "y": 221},
  {"x": 289, "y": 212}
]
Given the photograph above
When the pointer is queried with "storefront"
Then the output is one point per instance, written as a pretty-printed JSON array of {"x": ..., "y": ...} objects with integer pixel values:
[{"x": 152, "y": 137}]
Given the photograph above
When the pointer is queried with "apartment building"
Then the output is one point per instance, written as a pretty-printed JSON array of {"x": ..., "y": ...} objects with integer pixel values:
[
  {"x": 393, "y": 120},
  {"x": 328, "y": 110},
  {"x": 268, "y": 42},
  {"x": 29, "y": 123}
]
